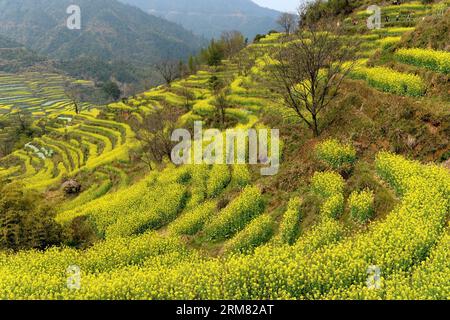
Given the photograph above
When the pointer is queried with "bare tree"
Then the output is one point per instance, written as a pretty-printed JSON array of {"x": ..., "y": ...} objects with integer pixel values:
[
  {"x": 79, "y": 93},
  {"x": 233, "y": 42},
  {"x": 288, "y": 22},
  {"x": 169, "y": 70},
  {"x": 309, "y": 72},
  {"x": 155, "y": 134},
  {"x": 74, "y": 95}
]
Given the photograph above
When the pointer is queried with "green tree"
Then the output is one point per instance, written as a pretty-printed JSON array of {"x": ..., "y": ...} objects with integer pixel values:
[
  {"x": 214, "y": 54},
  {"x": 288, "y": 22},
  {"x": 215, "y": 84},
  {"x": 26, "y": 222},
  {"x": 258, "y": 37},
  {"x": 188, "y": 96},
  {"x": 112, "y": 90},
  {"x": 232, "y": 43},
  {"x": 192, "y": 64},
  {"x": 17, "y": 129}
]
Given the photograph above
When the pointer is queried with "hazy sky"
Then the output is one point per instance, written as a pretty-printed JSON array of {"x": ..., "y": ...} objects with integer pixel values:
[{"x": 281, "y": 5}]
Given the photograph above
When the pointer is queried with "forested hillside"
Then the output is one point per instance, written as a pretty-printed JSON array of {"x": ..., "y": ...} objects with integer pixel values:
[
  {"x": 115, "y": 40},
  {"x": 110, "y": 30},
  {"x": 14, "y": 57}
]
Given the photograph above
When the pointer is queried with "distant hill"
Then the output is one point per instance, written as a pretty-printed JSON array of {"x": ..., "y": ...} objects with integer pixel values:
[
  {"x": 14, "y": 57},
  {"x": 209, "y": 18},
  {"x": 6, "y": 43},
  {"x": 110, "y": 31}
]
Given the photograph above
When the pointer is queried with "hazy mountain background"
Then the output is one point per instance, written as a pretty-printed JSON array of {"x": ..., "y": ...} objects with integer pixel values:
[
  {"x": 118, "y": 40},
  {"x": 110, "y": 30},
  {"x": 115, "y": 39},
  {"x": 209, "y": 18},
  {"x": 6, "y": 43}
]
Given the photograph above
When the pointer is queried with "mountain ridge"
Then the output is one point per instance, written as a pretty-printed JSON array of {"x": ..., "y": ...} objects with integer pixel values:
[
  {"x": 210, "y": 18},
  {"x": 110, "y": 30}
]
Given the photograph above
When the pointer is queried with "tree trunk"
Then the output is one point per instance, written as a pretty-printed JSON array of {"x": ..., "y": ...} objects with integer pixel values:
[
  {"x": 223, "y": 117},
  {"x": 315, "y": 126}
]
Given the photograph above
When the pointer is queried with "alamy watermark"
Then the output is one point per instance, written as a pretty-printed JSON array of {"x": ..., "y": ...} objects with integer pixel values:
[
  {"x": 374, "y": 278},
  {"x": 74, "y": 19},
  {"x": 73, "y": 277},
  {"x": 374, "y": 21},
  {"x": 234, "y": 146}
]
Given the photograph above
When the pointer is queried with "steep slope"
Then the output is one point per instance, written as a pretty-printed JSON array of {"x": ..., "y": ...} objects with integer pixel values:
[
  {"x": 432, "y": 32},
  {"x": 210, "y": 17},
  {"x": 110, "y": 30}
]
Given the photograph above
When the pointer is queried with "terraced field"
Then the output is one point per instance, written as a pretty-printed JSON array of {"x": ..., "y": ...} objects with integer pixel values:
[
  {"x": 207, "y": 231},
  {"x": 38, "y": 93},
  {"x": 373, "y": 42},
  {"x": 76, "y": 142}
]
